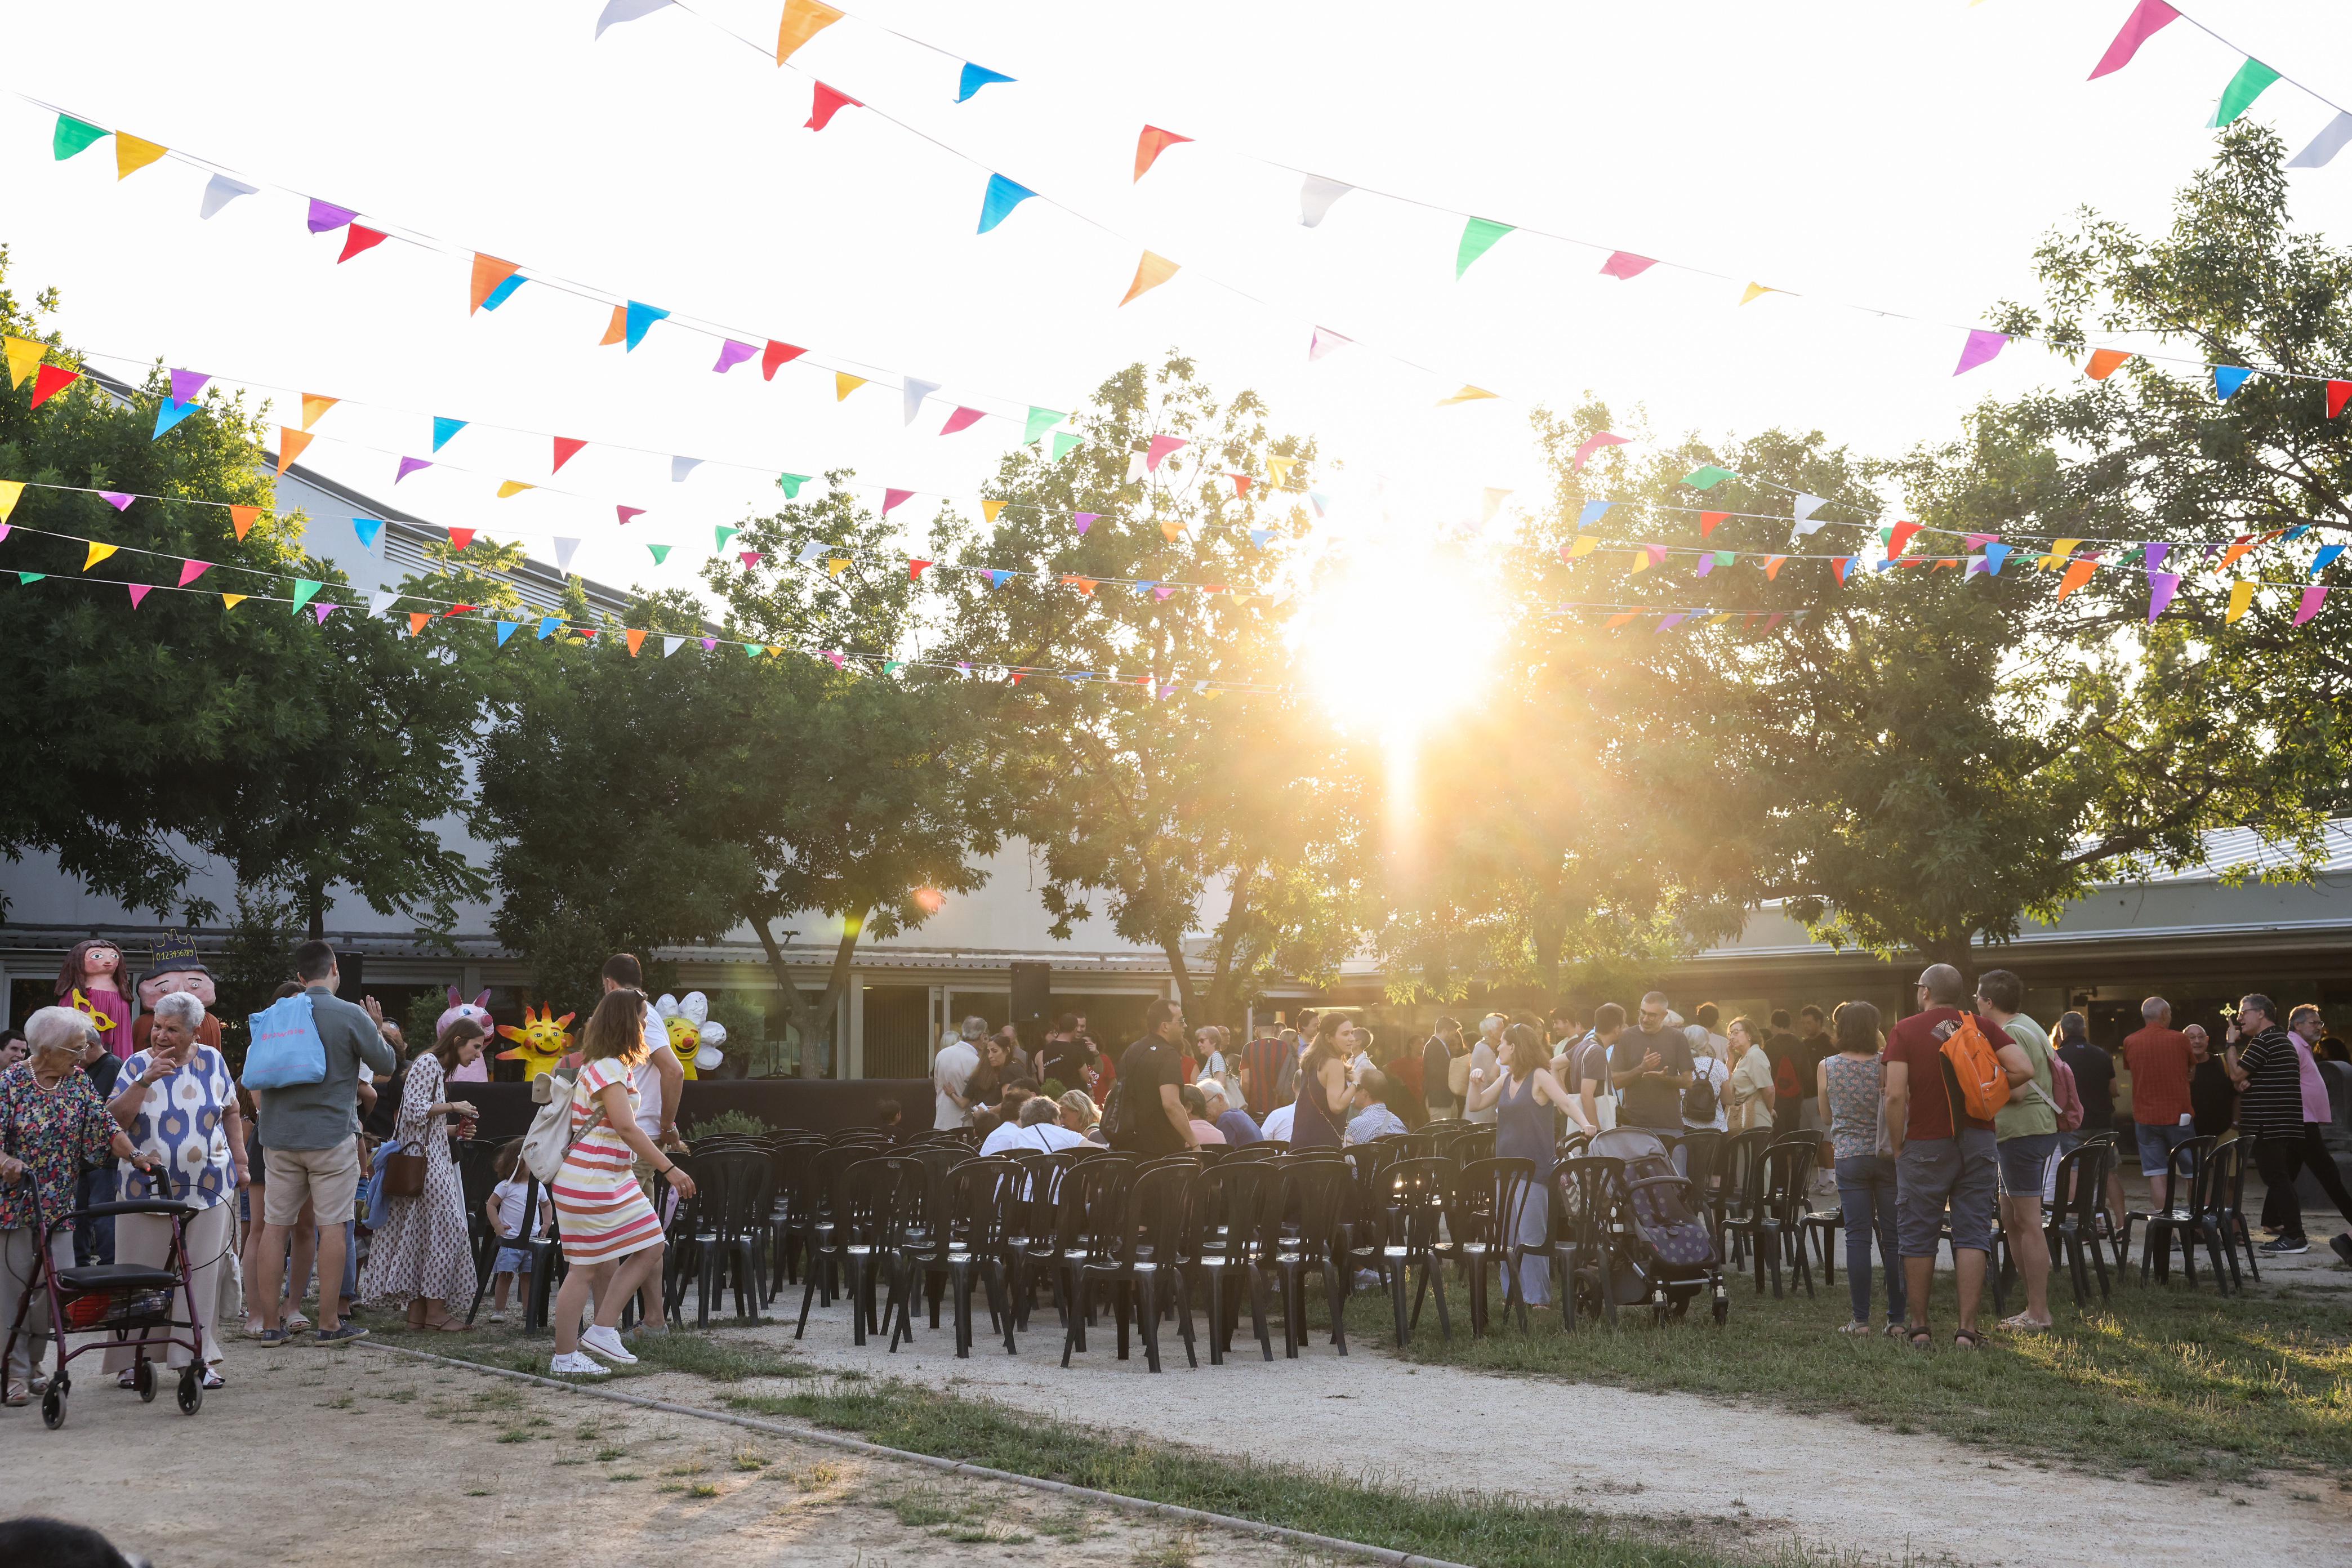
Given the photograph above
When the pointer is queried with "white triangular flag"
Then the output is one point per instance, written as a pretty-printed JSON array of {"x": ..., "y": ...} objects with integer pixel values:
[
  {"x": 2325, "y": 145},
  {"x": 681, "y": 466},
  {"x": 564, "y": 549},
  {"x": 219, "y": 191},
  {"x": 616, "y": 12},
  {"x": 1806, "y": 506},
  {"x": 1315, "y": 199},
  {"x": 915, "y": 391},
  {"x": 1135, "y": 470},
  {"x": 1324, "y": 340},
  {"x": 379, "y": 602},
  {"x": 1495, "y": 499},
  {"x": 671, "y": 644},
  {"x": 811, "y": 554}
]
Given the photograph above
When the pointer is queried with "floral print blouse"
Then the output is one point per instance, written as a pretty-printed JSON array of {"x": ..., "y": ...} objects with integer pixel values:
[
  {"x": 57, "y": 1133},
  {"x": 179, "y": 1123}
]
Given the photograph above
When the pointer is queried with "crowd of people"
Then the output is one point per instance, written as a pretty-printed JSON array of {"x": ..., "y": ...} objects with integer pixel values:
[{"x": 1900, "y": 1147}]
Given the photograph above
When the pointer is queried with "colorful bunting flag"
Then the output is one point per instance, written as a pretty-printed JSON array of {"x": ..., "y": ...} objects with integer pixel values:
[
  {"x": 634, "y": 638},
  {"x": 1467, "y": 395},
  {"x": 2104, "y": 362},
  {"x": 305, "y": 590},
  {"x": 1149, "y": 273},
  {"x": 1172, "y": 532},
  {"x": 749, "y": 558},
  {"x": 1995, "y": 552},
  {"x": 2227, "y": 379},
  {"x": 671, "y": 644},
  {"x": 566, "y": 449},
  {"x": 2161, "y": 586},
  {"x": 1316, "y": 196},
  {"x": 1593, "y": 512},
  {"x": 30, "y": 577},
  {"x": 11, "y": 492},
  {"x": 118, "y": 500},
  {"x": 616, "y": 12},
  {"x": 1899, "y": 537},
  {"x": 891, "y": 498},
  {"x": 1625, "y": 265},
  {"x": 998, "y": 578},
  {"x": 444, "y": 428},
  {"x": 721, "y": 534},
  {"x": 2242, "y": 598},
  {"x": 660, "y": 552},
  {"x": 357, "y": 238},
  {"x": 629, "y": 514},
  {"x": 2319, "y": 563},
  {"x": 1842, "y": 564},
  {"x": 991, "y": 509},
  {"x": 460, "y": 538},
  {"x": 2337, "y": 391},
  {"x": 911, "y": 395},
  {"x": 24, "y": 355},
  {"x": 1979, "y": 349},
  {"x": 2313, "y": 597},
  {"x": 168, "y": 414},
  {"x": 132, "y": 153},
  {"x": 732, "y": 353},
  {"x": 506, "y": 628},
  {"x": 2078, "y": 572},
  {"x": 1161, "y": 446},
  {"x": 844, "y": 383},
  {"x": 826, "y": 102},
  {"x": 231, "y": 601},
  {"x": 548, "y": 624},
  {"x": 1805, "y": 506},
  {"x": 2321, "y": 148},
  {"x": 1066, "y": 443},
  {"x": 243, "y": 517},
  {"x": 679, "y": 467},
  {"x": 2245, "y": 87},
  {"x": 961, "y": 419},
  {"x": 51, "y": 379},
  {"x": 640, "y": 319},
  {"x": 803, "y": 20},
  {"x": 1707, "y": 477},
  {"x": 836, "y": 566},
  {"x": 2146, "y": 18},
  {"x": 2156, "y": 554},
  {"x": 1322, "y": 341},
  {"x": 1151, "y": 144},
  {"x": 219, "y": 191},
  {"x": 409, "y": 465},
  {"x": 489, "y": 275},
  {"x": 508, "y": 489},
  {"x": 1258, "y": 536},
  {"x": 314, "y": 405},
  {"x": 1772, "y": 565},
  {"x": 974, "y": 78},
  {"x": 72, "y": 136},
  {"x": 1591, "y": 444},
  {"x": 996, "y": 204},
  {"x": 1082, "y": 520},
  {"x": 1756, "y": 291},
  {"x": 1040, "y": 420},
  {"x": 98, "y": 553},
  {"x": 139, "y": 591},
  {"x": 326, "y": 215},
  {"x": 1478, "y": 236},
  {"x": 369, "y": 529},
  {"x": 1707, "y": 521}
]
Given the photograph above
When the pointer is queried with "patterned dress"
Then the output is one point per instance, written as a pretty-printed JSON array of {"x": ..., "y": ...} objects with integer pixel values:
[
  {"x": 57, "y": 1133},
  {"x": 600, "y": 1208},
  {"x": 422, "y": 1248}
]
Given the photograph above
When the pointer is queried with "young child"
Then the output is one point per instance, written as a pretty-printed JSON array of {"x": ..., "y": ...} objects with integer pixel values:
[{"x": 505, "y": 1212}]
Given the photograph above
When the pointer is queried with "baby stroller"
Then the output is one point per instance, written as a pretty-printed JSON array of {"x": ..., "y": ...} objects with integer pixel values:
[
  {"x": 1662, "y": 1249},
  {"x": 113, "y": 1299}
]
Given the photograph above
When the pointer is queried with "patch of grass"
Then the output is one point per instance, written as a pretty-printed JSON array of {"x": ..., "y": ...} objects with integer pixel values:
[
  {"x": 720, "y": 1360},
  {"x": 607, "y": 1455},
  {"x": 589, "y": 1431},
  {"x": 402, "y": 1395},
  {"x": 339, "y": 1402},
  {"x": 812, "y": 1478},
  {"x": 1169, "y": 1552},
  {"x": 691, "y": 1468},
  {"x": 625, "y": 1476},
  {"x": 749, "y": 1460},
  {"x": 514, "y": 1434},
  {"x": 2167, "y": 1380},
  {"x": 1460, "y": 1527},
  {"x": 702, "y": 1488},
  {"x": 571, "y": 1459}
]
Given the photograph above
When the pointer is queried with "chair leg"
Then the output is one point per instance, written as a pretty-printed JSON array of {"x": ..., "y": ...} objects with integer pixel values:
[
  {"x": 853, "y": 1267},
  {"x": 1396, "y": 1299},
  {"x": 1180, "y": 1296},
  {"x": 1074, "y": 1325},
  {"x": 1335, "y": 1287},
  {"x": 1216, "y": 1275},
  {"x": 1147, "y": 1313},
  {"x": 1257, "y": 1310},
  {"x": 1122, "y": 1305}
]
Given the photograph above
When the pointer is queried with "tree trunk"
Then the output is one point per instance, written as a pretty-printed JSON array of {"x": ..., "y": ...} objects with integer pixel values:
[
  {"x": 1221, "y": 1007},
  {"x": 1186, "y": 994},
  {"x": 815, "y": 1026},
  {"x": 315, "y": 896}
]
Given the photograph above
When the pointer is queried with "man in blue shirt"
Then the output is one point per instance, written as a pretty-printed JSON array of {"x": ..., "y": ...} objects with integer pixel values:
[
  {"x": 1230, "y": 1120},
  {"x": 1373, "y": 1118}
]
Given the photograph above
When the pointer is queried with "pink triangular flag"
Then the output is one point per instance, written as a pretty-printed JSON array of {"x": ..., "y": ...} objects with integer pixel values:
[
  {"x": 1625, "y": 264},
  {"x": 961, "y": 419},
  {"x": 749, "y": 558},
  {"x": 732, "y": 353},
  {"x": 1324, "y": 340},
  {"x": 2139, "y": 27},
  {"x": 629, "y": 514},
  {"x": 1980, "y": 347},
  {"x": 1161, "y": 445},
  {"x": 1160, "y": 590},
  {"x": 192, "y": 570},
  {"x": 323, "y": 611},
  {"x": 117, "y": 500},
  {"x": 139, "y": 591},
  {"x": 709, "y": 643},
  {"x": 891, "y": 498},
  {"x": 1082, "y": 520},
  {"x": 2313, "y": 597},
  {"x": 1593, "y": 443}
]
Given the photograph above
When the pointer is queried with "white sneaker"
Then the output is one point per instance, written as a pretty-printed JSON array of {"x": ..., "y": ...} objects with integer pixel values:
[
  {"x": 606, "y": 1343},
  {"x": 497, "y": 1316},
  {"x": 578, "y": 1365}
]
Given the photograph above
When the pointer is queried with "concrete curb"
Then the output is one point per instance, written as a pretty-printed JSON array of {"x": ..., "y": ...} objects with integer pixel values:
[{"x": 954, "y": 1466}]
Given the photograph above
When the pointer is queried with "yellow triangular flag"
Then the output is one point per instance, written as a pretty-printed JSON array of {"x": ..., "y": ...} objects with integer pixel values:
[
  {"x": 844, "y": 383},
  {"x": 1719, "y": 618},
  {"x": 231, "y": 601},
  {"x": 1640, "y": 560},
  {"x": 1584, "y": 546},
  {"x": 1467, "y": 395},
  {"x": 775, "y": 650},
  {"x": 804, "y": 20},
  {"x": 513, "y": 487},
  {"x": 132, "y": 153},
  {"x": 23, "y": 359},
  {"x": 988, "y": 508},
  {"x": 1149, "y": 273},
  {"x": 837, "y": 565},
  {"x": 314, "y": 405},
  {"x": 10, "y": 490},
  {"x": 2059, "y": 551},
  {"x": 98, "y": 553},
  {"x": 1280, "y": 468},
  {"x": 2241, "y": 597},
  {"x": 1756, "y": 291}
]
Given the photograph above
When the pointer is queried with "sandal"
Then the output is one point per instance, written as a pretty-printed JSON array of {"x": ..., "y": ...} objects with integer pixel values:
[
  {"x": 1894, "y": 1330},
  {"x": 1921, "y": 1338},
  {"x": 17, "y": 1393},
  {"x": 1966, "y": 1339},
  {"x": 448, "y": 1323},
  {"x": 1856, "y": 1327}
]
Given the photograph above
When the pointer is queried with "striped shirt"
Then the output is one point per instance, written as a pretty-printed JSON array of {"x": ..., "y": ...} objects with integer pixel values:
[{"x": 2272, "y": 1102}]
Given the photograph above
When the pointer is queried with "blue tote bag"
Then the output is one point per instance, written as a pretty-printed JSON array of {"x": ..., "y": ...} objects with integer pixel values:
[{"x": 284, "y": 1050}]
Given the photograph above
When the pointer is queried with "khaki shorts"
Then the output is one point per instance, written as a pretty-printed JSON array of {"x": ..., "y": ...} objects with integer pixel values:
[{"x": 329, "y": 1178}]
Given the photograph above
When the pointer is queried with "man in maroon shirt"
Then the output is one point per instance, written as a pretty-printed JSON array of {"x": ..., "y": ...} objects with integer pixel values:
[
  {"x": 1937, "y": 1161},
  {"x": 2158, "y": 1058}
]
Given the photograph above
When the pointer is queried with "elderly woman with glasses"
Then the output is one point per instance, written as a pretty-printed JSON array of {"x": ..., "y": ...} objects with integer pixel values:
[
  {"x": 175, "y": 1098},
  {"x": 52, "y": 1126}
]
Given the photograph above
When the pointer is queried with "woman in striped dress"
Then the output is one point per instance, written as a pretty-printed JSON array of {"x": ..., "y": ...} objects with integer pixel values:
[{"x": 611, "y": 1238}]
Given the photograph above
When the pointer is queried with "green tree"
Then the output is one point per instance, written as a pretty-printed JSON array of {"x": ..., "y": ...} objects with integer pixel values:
[{"x": 1145, "y": 784}]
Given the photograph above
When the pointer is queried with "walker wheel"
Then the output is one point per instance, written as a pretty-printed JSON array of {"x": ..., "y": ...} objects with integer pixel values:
[
  {"x": 1722, "y": 1310},
  {"x": 53, "y": 1406},
  {"x": 192, "y": 1388},
  {"x": 143, "y": 1378}
]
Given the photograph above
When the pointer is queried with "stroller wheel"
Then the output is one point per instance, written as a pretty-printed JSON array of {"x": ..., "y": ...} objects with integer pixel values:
[
  {"x": 53, "y": 1406},
  {"x": 1658, "y": 1313},
  {"x": 191, "y": 1389},
  {"x": 1722, "y": 1310},
  {"x": 143, "y": 1378}
]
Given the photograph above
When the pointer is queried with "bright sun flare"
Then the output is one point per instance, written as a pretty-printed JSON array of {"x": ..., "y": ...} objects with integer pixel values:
[{"x": 1398, "y": 639}]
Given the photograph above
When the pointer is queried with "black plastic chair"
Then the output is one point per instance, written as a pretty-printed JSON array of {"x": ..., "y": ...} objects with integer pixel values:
[
  {"x": 1315, "y": 1198},
  {"x": 1592, "y": 1198},
  {"x": 1031, "y": 1248},
  {"x": 1414, "y": 1192},
  {"x": 1225, "y": 1223},
  {"x": 2187, "y": 1193},
  {"x": 1777, "y": 1205},
  {"x": 788, "y": 1160},
  {"x": 2071, "y": 1229},
  {"x": 815, "y": 1199},
  {"x": 1090, "y": 1205},
  {"x": 1738, "y": 1164},
  {"x": 970, "y": 1241},
  {"x": 1487, "y": 1200},
  {"x": 878, "y": 1200},
  {"x": 1139, "y": 1258},
  {"x": 716, "y": 1236}
]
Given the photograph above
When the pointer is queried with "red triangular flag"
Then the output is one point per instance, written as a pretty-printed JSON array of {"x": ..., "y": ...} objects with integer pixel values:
[
  {"x": 1151, "y": 144},
  {"x": 358, "y": 237},
  {"x": 2337, "y": 391},
  {"x": 566, "y": 449},
  {"x": 243, "y": 517},
  {"x": 1899, "y": 537},
  {"x": 460, "y": 537},
  {"x": 961, "y": 419},
  {"x": 629, "y": 514},
  {"x": 1241, "y": 486},
  {"x": 827, "y": 102},
  {"x": 51, "y": 379},
  {"x": 776, "y": 354},
  {"x": 1707, "y": 519},
  {"x": 915, "y": 570},
  {"x": 458, "y": 609}
]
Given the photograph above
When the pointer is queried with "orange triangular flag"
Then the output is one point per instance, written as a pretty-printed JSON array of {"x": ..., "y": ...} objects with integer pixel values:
[
  {"x": 1149, "y": 273},
  {"x": 1616, "y": 621},
  {"x": 1172, "y": 532},
  {"x": 990, "y": 508},
  {"x": 2103, "y": 361},
  {"x": 1083, "y": 584},
  {"x": 1772, "y": 567},
  {"x": 290, "y": 446},
  {"x": 314, "y": 405},
  {"x": 489, "y": 273},
  {"x": 243, "y": 517},
  {"x": 619, "y": 329},
  {"x": 132, "y": 153},
  {"x": 2077, "y": 574},
  {"x": 636, "y": 640},
  {"x": 804, "y": 20},
  {"x": 231, "y": 601},
  {"x": 1151, "y": 144},
  {"x": 844, "y": 383},
  {"x": 416, "y": 619}
]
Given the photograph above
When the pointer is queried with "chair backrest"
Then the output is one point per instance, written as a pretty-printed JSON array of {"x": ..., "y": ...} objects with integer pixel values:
[
  {"x": 1487, "y": 1196},
  {"x": 1414, "y": 1187},
  {"x": 1783, "y": 1176},
  {"x": 1702, "y": 1149},
  {"x": 983, "y": 1203},
  {"x": 734, "y": 1190},
  {"x": 2082, "y": 1182},
  {"x": 2182, "y": 1172},
  {"x": 1470, "y": 1143},
  {"x": 1591, "y": 1187},
  {"x": 824, "y": 1178},
  {"x": 1152, "y": 1221},
  {"x": 2226, "y": 1191},
  {"x": 1367, "y": 1159},
  {"x": 883, "y": 1196},
  {"x": 1256, "y": 1152},
  {"x": 1042, "y": 1171},
  {"x": 1316, "y": 1197},
  {"x": 1572, "y": 1146},
  {"x": 1739, "y": 1161},
  {"x": 1094, "y": 1192},
  {"x": 1422, "y": 1141},
  {"x": 789, "y": 1159}
]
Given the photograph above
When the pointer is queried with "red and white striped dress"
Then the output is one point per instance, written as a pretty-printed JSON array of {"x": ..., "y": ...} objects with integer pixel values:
[{"x": 603, "y": 1212}]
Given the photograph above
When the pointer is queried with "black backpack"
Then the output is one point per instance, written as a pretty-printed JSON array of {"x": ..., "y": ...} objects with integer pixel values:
[{"x": 1699, "y": 1101}]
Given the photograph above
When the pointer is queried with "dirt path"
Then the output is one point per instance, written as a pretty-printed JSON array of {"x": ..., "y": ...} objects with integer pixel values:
[
  {"x": 360, "y": 1458},
  {"x": 1825, "y": 1481}
]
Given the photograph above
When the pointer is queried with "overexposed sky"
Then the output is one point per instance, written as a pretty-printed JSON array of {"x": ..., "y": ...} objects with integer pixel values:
[{"x": 1906, "y": 156}]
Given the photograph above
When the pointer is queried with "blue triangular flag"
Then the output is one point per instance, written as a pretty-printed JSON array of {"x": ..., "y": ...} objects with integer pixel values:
[
  {"x": 548, "y": 624},
  {"x": 1003, "y": 196},
  {"x": 1258, "y": 536},
  {"x": 641, "y": 319},
  {"x": 997, "y": 579},
  {"x": 367, "y": 528},
  {"x": 168, "y": 414},
  {"x": 443, "y": 428},
  {"x": 1995, "y": 554},
  {"x": 504, "y": 291},
  {"x": 2297, "y": 531},
  {"x": 975, "y": 77},
  {"x": 1594, "y": 511},
  {"x": 2227, "y": 379},
  {"x": 506, "y": 630},
  {"x": 1145, "y": 587},
  {"x": 2326, "y": 555}
]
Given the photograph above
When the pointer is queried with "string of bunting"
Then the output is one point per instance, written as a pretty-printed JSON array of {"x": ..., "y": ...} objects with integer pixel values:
[
  {"x": 804, "y": 19},
  {"x": 2251, "y": 80}
]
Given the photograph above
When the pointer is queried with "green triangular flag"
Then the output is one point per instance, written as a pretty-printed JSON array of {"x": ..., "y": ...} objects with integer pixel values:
[
  {"x": 724, "y": 535},
  {"x": 304, "y": 590},
  {"x": 890, "y": 666},
  {"x": 661, "y": 553},
  {"x": 1064, "y": 444},
  {"x": 1040, "y": 421},
  {"x": 2236, "y": 99},
  {"x": 751, "y": 648},
  {"x": 30, "y": 576},
  {"x": 1726, "y": 557},
  {"x": 73, "y": 136},
  {"x": 1478, "y": 236},
  {"x": 791, "y": 485},
  {"x": 1885, "y": 539},
  {"x": 1707, "y": 478}
]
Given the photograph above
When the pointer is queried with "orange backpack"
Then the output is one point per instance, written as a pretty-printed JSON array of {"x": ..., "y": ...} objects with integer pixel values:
[{"x": 1977, "y": 1071}]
